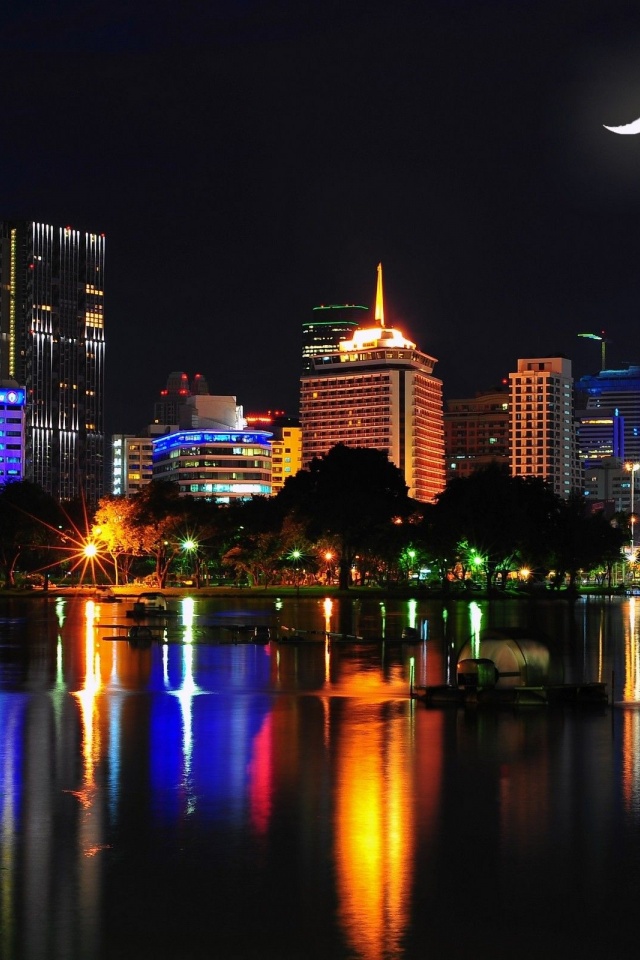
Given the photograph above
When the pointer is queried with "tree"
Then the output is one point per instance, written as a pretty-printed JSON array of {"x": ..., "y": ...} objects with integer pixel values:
[
  {"x": 347, "y": 495},
  {"x": 582, "y": 540},
  {"x": 29, "y": 520},
  {"x": 263, "y": 535},
  {"x": 498, "y": 518},
  {"x": 158, "y": 517},
  {"x": 114, "y": 525}
]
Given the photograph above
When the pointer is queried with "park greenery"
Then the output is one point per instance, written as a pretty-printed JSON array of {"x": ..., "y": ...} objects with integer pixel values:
[{"x": 346, "y": 520}]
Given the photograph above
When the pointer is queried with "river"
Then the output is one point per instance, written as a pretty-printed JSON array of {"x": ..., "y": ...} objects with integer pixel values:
[{"x": 204, "y": 798}]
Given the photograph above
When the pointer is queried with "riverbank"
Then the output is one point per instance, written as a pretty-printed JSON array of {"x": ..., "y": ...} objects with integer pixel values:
[{"x": 409, "y": 592}]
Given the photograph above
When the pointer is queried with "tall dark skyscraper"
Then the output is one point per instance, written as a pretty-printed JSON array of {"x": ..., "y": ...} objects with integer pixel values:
[
  {"x": 52, "y": 343},
  {"x": 328, "y": 327}
]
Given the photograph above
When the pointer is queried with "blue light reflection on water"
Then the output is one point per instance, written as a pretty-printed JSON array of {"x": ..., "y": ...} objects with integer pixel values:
[{"x": 202, "y": 730}]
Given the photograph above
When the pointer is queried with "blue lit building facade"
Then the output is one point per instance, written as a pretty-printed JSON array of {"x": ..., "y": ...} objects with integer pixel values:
[
  {"x": 600, "y": 435},
  {"x": 11, "y": 433},
  {"x": 619, "y": 390},
  {"x": 219, "y": 466}
]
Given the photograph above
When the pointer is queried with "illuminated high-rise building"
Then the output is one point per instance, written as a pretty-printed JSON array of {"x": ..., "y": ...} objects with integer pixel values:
[
  {"x": 378, "y": 391},
  {"x": 329, "y": 326},
  {"x": 476, "y": 432},
  {"x": 601, "y": 452},
  {"x": 542, "y": 433},
  {"x": 620, "y": 390},
  {"x": 600, "y": 435},
  {"x": 52, "y": 343}
]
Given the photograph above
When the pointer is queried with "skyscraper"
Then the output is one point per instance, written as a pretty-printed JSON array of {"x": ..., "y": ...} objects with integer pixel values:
[
  {"x": 543, "y": 427},
  {"x": 377, "y": 390},
  {"x": 620, "y": 390},
  {"x": 329, "y": 326},
  {"x": 52, "y": 343}
]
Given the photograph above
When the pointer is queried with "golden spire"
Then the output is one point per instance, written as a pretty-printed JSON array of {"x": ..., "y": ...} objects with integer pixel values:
[{"x": 379, "y": 299}]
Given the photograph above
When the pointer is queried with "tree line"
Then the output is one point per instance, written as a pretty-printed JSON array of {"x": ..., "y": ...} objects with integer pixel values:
[{"x": 347, "y": 518}]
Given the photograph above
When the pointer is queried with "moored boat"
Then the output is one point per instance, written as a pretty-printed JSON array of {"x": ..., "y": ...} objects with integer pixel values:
[{"x": 150, "y": 605}]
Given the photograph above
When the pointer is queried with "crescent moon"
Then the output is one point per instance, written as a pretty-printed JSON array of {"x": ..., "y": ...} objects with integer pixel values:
[{"x": 633, "y": 127}]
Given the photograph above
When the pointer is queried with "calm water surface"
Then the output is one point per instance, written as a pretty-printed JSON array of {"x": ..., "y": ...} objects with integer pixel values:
[{"x": 208, "y": 799}]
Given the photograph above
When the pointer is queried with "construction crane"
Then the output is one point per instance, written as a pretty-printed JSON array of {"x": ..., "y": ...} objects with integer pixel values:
[{"x": 603, "y": 341}]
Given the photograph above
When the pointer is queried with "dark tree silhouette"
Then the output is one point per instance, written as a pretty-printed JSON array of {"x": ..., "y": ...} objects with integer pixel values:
[
  {"x": 500, "y": 517},
  {"x": 29, "y": 520},
  {"x": 349, "y": 495}
]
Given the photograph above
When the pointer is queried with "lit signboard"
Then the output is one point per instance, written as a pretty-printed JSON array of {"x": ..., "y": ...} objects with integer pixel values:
[
  {"x": 197, "y": 436},
  {"x": 14, "y": 396}
]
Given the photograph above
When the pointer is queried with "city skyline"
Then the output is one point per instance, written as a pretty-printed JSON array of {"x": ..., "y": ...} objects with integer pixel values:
[{"x": 251, "y": 161}]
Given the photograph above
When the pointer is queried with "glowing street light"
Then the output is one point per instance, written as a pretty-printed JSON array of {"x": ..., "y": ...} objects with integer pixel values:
[
  {"x": 190, "y": 546},
  {"x": 90, "y": 552},
  {"x": 632, "y": 468},
  {"x": 295, "y": 556}
]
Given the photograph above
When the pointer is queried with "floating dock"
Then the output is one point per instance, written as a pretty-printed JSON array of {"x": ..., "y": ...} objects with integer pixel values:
[{"x": 563, "y": 694}]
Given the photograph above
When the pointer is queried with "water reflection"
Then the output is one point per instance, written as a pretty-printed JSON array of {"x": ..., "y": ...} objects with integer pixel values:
[
  {"x": 197, "y": 785},
  {"x": 374, "y": 829}
]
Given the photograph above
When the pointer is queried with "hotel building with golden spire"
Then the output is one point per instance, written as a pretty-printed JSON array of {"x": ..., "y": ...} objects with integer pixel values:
[{"x": 378, "y": 391}]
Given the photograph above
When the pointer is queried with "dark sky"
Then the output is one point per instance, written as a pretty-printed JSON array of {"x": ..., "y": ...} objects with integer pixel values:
[{"x": 249, "y": 160}]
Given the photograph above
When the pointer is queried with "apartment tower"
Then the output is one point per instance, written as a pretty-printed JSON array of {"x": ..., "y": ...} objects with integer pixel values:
[
  {"x": 377, "y": 390},
  {"x": 543, "y": 428}
]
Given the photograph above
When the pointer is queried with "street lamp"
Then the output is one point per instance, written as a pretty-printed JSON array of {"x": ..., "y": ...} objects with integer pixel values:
[
  {"x": 90, "y": 552},
  {"x": 295, "y": 556},
  {"x": 190, "y": 547},
  {"x": 632, "y": 467}
]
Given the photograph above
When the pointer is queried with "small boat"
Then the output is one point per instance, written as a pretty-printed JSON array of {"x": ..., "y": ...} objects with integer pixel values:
[
  {"x": 150, "y": 605},
  {"x": 106, "y": 595}
]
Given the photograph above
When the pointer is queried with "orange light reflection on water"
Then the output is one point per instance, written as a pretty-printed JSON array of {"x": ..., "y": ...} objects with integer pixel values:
[
  {"x": 373, "y": 832},
  {"x": 86, "y": 697},
  {"x": 631, "y": 654}
]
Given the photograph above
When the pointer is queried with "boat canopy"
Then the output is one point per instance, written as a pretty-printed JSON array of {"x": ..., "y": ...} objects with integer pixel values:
[{"x": 507, "y": 659}]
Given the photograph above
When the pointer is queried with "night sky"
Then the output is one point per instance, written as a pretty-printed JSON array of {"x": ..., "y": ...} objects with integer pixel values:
[{"x": 250, "y": 160}]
